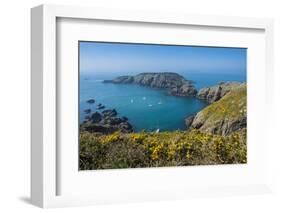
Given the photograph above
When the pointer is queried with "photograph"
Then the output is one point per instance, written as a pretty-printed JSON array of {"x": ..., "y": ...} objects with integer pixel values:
[{"x": 147, "y": 105}]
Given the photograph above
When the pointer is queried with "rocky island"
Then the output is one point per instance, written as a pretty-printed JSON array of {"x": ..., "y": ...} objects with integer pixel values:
[{"x": 174, "y": 83}]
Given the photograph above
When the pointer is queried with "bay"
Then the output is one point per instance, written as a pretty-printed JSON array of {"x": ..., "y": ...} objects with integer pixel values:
[{"x": 146, "y": 108}]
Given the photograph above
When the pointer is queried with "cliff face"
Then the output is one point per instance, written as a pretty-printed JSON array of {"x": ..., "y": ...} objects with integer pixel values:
[
  {"x": 159, "y": 80},
  {"x": 225, "y": 116},
  {"x": 215, "y": 93},
  {"x": 173, "y": 82}
]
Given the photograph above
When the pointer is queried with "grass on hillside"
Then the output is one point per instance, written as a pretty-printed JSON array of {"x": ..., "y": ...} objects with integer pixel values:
[{"x": 232, "y": 105}]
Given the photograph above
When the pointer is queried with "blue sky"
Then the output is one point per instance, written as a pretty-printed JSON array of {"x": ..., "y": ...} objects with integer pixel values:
[{"x": 135, "y": 58}]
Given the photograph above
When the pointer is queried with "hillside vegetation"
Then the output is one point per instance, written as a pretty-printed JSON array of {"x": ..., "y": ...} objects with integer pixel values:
[{"x": 146, "y": 149}]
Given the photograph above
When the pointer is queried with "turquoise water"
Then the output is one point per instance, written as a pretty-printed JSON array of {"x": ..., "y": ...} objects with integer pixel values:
[{"x": 146, "y": 108}]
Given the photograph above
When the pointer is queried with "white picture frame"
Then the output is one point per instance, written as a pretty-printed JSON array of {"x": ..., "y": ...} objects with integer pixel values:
[{"x": 44, "y": 150}]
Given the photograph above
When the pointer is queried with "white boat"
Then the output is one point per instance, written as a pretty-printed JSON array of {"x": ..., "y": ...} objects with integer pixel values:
[
  {"x": 157, "y": 131},
  {"x": 132, "y": 101}
]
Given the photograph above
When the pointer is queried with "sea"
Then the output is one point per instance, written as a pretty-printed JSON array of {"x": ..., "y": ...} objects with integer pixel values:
[{"x": 147, "y": 109}]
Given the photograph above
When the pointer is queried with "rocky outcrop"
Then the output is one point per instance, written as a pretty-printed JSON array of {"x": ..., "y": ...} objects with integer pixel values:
[
  {"x": 188, "y": 121},
  {"x": 184, "y": 90},
  {"x": 175, "y": 84},
  {"x": 227, "y": 115},
  {"x": 215, "y": 93},
  {"x": 96, "y": 117},
  {"x": 121, "y": 80},
  {"x": 100, "y": 106},
  {"x": 87, "y": 111},
  {"x": 109, "y": 113},
  {"x": 106, "y": 122},
  {"x": 91, "y": 101}
]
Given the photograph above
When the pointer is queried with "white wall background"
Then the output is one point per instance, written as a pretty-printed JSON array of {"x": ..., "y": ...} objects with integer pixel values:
[{"x": 15, "y": 104}]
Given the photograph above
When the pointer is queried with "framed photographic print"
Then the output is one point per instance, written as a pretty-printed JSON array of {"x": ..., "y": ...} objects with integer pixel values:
[
  {"x": 130, "y": 106},
  {"x": 134, "y": 117}
]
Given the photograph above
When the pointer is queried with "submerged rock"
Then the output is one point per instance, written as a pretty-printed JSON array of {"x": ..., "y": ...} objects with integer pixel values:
[
  {"x": 100, "y": 106},
  {"x": 87, "y": 111},
  {"x": 91, "y": 101}
]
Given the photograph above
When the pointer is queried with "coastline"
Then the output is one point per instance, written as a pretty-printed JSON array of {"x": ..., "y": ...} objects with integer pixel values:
[
  {"x": 165, "y": 82},
  {"x": 216, "y": 134}
]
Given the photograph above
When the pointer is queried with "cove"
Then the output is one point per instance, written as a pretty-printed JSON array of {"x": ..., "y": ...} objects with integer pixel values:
[{"x": 146, "y": 108}]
